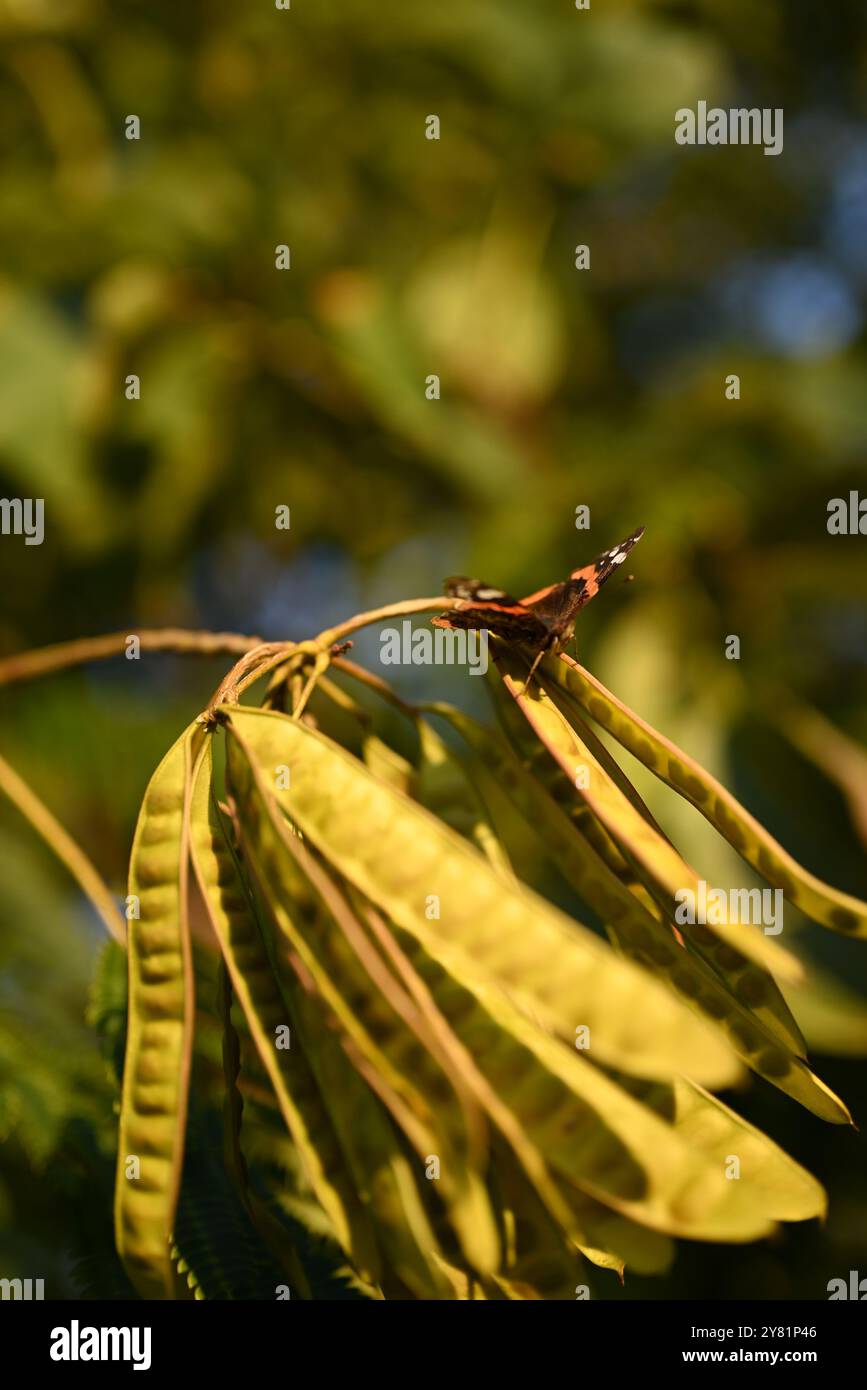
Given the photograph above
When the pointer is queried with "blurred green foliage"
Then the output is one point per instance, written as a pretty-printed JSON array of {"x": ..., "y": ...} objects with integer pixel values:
[{"x": 306, "y": 388}]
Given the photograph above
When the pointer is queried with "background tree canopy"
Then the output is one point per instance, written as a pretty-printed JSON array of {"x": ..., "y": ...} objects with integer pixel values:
[{"x": 305, "y": 388}]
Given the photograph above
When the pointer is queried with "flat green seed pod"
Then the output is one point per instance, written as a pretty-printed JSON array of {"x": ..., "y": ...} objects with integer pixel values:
[
  {"x": 154, "y": 1097},
  {"x": 410, "y": 864},
  {"x": 831, "y": 908}
]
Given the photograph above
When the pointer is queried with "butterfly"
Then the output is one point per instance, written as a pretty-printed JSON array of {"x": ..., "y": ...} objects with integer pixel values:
[{"x": 543, "y": 621}]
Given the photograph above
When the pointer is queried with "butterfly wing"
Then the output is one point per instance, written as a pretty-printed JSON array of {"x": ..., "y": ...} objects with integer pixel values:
[
  {"x": 491, "y": 608},
  {"x": 461, "y": 587},
  {"x": 583, "y": 584},
  {"x": 543, "y": 619}
]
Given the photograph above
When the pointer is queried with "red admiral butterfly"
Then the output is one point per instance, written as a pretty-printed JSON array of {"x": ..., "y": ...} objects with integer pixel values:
[{"x": 543, "y": 621}]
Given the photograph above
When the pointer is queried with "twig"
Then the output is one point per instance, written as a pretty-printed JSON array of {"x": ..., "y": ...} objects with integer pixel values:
[
  {"x": 65, "y": 848},
  {"x": 25, "y": 666},
  {"x": 391, "y": 610},
  {"x": 374, "y": 682}
]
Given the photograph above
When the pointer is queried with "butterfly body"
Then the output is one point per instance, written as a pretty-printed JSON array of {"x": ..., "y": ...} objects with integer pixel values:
[{"x": 543, "y": 621}]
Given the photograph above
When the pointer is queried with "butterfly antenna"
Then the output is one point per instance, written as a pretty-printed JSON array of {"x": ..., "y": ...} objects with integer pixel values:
[{"x": 531, "y": 671}]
